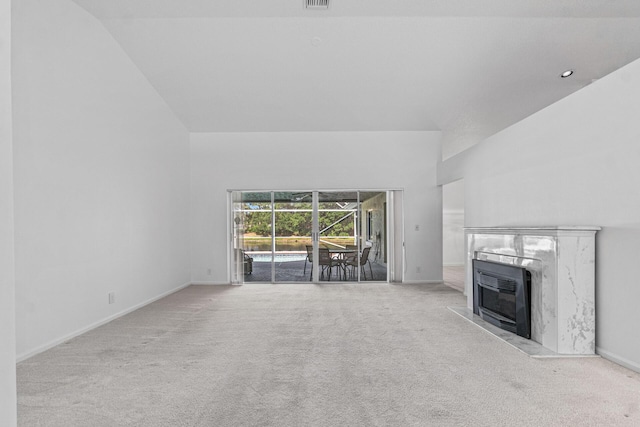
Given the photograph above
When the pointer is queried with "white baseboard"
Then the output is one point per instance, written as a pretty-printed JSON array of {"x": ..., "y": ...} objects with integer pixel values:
[
  {"x": 202, "y": 283},
  {"x": 619, "y": 360},
  {"x": 423, "y": 282},
  {"x": 453, "y": 265},
  {"x": 57, "y": 341}
]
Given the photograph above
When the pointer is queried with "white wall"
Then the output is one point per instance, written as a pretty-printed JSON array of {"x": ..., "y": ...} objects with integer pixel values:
[
  {"x": 453, "y": 250},
  {"x": 7, "y": 297},
  {"x": 315, "y": 160},
  {"x": 573, "y": 163},
  {"x": 101, "y": 178}
]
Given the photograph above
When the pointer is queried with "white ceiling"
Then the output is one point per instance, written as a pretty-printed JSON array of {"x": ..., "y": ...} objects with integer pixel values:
[{"x": 465, "y": 66}]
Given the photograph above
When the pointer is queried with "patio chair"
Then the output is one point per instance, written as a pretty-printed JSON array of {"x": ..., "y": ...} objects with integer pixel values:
[
  {"x": 247, "y": 262},
  {"x": 350, "y": 258},
  {"x": 309, "y": 259},
  {"x": 325, "y": 261},
  {"x": 364, "y": 259},
  {"x": 353, "y": 248}
]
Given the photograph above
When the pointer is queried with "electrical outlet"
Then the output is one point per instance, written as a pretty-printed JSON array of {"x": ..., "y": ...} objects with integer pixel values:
[
  {"x": 112, "y": 297},
  {"x": 417, "y": 227},
  {"x": 418, "y": 269},
  {"x": 209, "y": 272}
]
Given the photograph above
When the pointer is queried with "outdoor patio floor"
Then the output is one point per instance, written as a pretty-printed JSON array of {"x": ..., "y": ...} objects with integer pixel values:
[{"x": 294, "y": 271}]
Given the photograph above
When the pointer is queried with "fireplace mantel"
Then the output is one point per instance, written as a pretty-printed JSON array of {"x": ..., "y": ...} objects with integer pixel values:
[
  {"x": 561, "y": 260},
  {"x": 536, "y": 231}
]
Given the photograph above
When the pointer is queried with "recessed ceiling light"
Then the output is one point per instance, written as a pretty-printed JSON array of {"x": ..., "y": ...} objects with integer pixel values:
[{"x": 566, "y": 74}]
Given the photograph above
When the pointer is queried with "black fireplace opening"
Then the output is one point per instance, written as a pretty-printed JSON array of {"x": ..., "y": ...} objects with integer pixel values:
[{"x": 502, "y": 296}]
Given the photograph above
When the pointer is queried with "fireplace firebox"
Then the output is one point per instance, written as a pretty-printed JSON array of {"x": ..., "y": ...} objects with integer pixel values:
[{"x": 502, "y": 296}]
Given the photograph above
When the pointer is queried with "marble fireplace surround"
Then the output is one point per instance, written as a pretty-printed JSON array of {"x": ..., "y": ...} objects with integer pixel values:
[{"x": 562, "y": 264}]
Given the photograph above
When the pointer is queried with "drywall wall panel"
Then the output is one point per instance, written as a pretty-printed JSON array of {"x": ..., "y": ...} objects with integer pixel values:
[
  {"x": 101, "y": 178},
  {"x": 7, "y": 288},
  {"x": 315, "y": 160},
  {"x": 453, "y": 250},
  {"x": 573, "y": 163}
]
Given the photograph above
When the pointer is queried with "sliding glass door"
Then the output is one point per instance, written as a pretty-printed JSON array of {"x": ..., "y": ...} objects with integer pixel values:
[
  {"x": 293, "y": 224},
  {"x": 338, "y": 216},
  {"x": 375, "y": 243},
  {"x": 252, "y": 242},
  {"x": 312, "y": 236}
]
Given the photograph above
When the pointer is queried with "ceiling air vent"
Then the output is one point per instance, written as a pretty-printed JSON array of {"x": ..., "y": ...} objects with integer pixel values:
[{"x": 317, "y": 4}]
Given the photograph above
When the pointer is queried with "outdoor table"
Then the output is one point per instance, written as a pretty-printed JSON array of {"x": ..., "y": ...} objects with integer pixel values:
[{"x": 341, "y": 256}]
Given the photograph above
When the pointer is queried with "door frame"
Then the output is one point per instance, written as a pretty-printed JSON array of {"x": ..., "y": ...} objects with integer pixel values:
[{"x": 393, "y": 244}]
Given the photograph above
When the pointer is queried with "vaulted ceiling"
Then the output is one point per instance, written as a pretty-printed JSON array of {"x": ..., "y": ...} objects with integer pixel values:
[{"x": 467, "y": 67}]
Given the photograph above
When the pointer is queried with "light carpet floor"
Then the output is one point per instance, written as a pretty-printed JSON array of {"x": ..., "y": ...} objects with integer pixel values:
[{"x": 313, "y": 355}]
